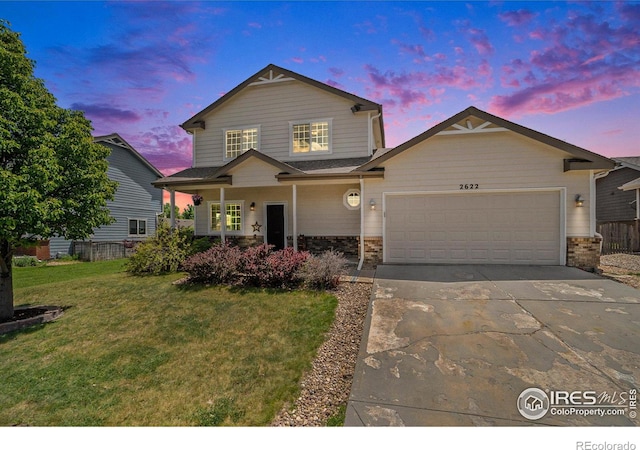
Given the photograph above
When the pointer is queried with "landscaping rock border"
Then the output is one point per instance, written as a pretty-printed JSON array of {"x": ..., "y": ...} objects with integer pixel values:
[
  {"x": 326, "y": 387},
  {"x": 42, "y": 314}
]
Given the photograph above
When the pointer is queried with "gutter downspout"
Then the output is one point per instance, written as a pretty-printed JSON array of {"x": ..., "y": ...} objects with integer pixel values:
[
  {"x": 361, "y": 262},
  {"x": 223, "y": 217}
]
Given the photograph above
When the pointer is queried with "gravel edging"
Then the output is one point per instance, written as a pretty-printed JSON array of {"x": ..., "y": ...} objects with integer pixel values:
[
  {"x": 622, "y": 267},
  {"x": 326, "y": 387}
]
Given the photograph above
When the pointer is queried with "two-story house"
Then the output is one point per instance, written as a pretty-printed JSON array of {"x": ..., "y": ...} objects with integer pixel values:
[
  {"x": 290, "y": 161},
  {"x": 136, "y": 205}
]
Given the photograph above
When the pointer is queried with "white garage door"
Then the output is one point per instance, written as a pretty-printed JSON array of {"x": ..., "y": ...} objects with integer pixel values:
[{"x": 473, "y": 228}]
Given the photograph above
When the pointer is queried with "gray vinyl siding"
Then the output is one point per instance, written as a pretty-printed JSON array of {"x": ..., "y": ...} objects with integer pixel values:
[
  {"x": 272, "y": 107},
  {"x": 135, "y": 198},
  {"x": 613, "y": 204}
]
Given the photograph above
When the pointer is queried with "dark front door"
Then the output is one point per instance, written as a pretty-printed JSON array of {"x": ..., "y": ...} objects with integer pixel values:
[{"x": 275, "y": 226}]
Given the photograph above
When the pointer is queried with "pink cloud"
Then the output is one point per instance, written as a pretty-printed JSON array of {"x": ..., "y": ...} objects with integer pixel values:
[
  {"x": 480, "y": 41},
  {"x": 336, "y": 72},
  {"x": 167, "y": 147},
  {"x": 586, "y": 60},
  {"x": 297, "y": 60},
  {"x": 553, "y": 97}
]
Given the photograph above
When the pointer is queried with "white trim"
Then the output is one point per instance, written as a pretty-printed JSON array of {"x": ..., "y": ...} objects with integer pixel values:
[
  {"x": 285, "y": 212},
  {"x": 310, "y": 122},
  {"x": 193, "y": 148},
  {"x": 562, "y": 191},
  {"x": 271, "y": 79},
  {"x": 463, "y": 130},
  {"x": 295, "y": 217},
  {"x": 241, "y": 128},
  {"x": 362, "y": 248},
  {"x": 223, "y": 232},
  {"x": 592, "y": 203},
  {"x": 345, "y": 199}
]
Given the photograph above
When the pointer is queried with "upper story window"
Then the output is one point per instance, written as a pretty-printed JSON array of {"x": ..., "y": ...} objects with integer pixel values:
[
  {"x": 310, "y": 136},
  {"x": 239, "y": 140}
]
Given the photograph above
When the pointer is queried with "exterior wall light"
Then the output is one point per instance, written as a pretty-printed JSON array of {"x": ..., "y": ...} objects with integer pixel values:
[
  {"x": 372, "y": 204},
  {"x": 579, "y": 201},
  {"x": 252, "y": 206}
]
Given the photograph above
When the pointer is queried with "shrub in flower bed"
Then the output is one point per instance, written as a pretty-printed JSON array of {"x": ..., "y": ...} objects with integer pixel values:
[
  {"x": 263, "y": 267},
  {"x": 219, "y": 265},
  {"x": 162, "y": 253},
  {"x": 323, "y": 271}
]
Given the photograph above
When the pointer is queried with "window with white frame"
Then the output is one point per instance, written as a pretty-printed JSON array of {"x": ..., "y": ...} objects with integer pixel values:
[
  {"x": 233, "y": 210},
  {"x": 137, "y": 227},
  {"x": 310, "y": 136},
  {"x": 351, "y": 199},
  {"x": 239, "y": 140}
]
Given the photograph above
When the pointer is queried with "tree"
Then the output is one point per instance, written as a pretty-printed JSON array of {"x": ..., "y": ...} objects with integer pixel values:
[
  {"x": 187, "y": 212},
  {"x": 167, "y": 211},
  {"x": 53, "y": 177}
]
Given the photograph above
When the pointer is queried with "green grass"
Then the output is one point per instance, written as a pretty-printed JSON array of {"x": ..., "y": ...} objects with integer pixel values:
[{"x": 133, "y": 351}]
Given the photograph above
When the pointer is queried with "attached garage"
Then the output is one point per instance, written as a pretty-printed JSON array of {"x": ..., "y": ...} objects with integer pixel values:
[{"x": 516, "y": 227}]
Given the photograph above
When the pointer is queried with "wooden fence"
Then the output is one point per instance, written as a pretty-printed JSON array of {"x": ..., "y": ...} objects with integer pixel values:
[
  {"x": 102, "y": 251},
  {"x": 620, "y": 237}
]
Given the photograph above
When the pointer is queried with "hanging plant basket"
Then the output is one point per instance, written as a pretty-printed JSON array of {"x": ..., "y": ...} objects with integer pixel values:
[{"x": 197, "y": 199}]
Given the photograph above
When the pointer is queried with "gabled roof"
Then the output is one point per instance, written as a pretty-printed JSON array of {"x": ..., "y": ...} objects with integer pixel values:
[
  {"x": 632, "y": 162},
  {"x": 251, "y": 153},
  {"x": 275, "y": 73},
  {"x": 583, "y": 159},
  {"x": 117, "y": 140}
]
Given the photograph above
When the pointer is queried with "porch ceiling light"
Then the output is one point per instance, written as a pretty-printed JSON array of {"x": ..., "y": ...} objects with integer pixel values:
[
  {"x": 579, "y": 201},
  {"x": 252, "y": 206},
  {"x": 372, "y": 204}
]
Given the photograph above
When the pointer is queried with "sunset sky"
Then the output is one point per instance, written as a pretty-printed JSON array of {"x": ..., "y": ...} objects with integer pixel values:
[{"x": 567, "y": 69}]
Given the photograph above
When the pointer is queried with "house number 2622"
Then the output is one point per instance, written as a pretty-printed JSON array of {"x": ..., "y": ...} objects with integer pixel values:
[{"x": 469, "y": 186}]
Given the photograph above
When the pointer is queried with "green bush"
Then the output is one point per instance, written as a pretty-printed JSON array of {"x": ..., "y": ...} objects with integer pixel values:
[
  {"x": 163, "y": 253},
  {"x": 25, "y": 261}
]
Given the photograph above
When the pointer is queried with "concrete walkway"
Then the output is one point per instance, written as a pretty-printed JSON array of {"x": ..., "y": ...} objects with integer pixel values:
[{"x": 458, "y": 345}]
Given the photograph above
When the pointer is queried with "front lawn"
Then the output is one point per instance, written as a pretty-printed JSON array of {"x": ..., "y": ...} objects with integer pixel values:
[{"x": 141, "y": 351}]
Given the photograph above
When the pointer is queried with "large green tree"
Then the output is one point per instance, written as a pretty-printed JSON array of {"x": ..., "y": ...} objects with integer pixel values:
[{"x": 53, "y": 177}]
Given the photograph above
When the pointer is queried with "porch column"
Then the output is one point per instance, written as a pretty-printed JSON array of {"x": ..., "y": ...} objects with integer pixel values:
[
  {"x": 362, "y": 203},
  {"x": 172, "y": 215},
  {"x": 295, "y": 218},
  {"x": 223, "y": 216}
]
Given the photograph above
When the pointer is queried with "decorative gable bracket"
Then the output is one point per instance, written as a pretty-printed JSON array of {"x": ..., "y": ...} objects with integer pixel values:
[{"x": 271, "y": 78}]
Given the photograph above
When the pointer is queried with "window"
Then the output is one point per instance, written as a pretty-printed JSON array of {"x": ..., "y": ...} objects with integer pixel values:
[
  {"x": 137, "y": 227},
  {"x": 234, "y": 216},
  {"x": 351, "y": 199},
  {"x": 238, "y": 141},
  {"x": 312, "y": 136}
]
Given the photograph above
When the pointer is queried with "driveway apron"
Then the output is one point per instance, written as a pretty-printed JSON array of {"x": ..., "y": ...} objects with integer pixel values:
[{"x": 458, "y": 345}]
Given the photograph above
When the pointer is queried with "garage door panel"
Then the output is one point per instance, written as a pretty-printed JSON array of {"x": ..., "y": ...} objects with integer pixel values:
[{"x": 498, "y": 228}]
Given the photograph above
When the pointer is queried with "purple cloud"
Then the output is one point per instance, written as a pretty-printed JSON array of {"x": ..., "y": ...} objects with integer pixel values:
[
  {"x": 106, "y": 113},
  {"x": 480, "y": 41},
  {"x": 336, "y": 72},
  {"x": 168, "y": 148},
  {"x": 587, "y": 59},
  {"x": 517, "y": 18}
]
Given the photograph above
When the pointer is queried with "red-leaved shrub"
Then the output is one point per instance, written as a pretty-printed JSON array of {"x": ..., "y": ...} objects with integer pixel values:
[{"x": 218, "y": 265}]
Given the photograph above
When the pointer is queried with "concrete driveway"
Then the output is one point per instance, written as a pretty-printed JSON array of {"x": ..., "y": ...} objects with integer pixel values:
[{"x": 464, "y": 345}]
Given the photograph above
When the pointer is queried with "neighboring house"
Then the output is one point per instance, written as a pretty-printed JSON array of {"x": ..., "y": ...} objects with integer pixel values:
[
  {"x": 136, "y": 204},
  {"x": 617, "y": 192},
  {"x": 290, "y": 161}
]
